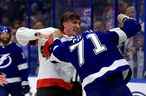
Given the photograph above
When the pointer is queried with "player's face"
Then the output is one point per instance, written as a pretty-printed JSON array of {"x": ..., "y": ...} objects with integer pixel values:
[
  {"x": 71, "y": 27},
  {"x": 5, "y": 38}
]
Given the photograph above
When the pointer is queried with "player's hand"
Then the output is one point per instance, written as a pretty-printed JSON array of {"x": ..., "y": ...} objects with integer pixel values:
[
  {"x": 25, "y": 87},
  {"x": 57, "y": 35},
  {"x": 46, "y": 51},
  {"x": 3, "y": 80},
  {"x": 121, "y": 19}
]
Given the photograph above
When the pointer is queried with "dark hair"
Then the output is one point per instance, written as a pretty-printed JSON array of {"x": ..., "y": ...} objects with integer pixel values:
[{"x": 69, "y": 15}]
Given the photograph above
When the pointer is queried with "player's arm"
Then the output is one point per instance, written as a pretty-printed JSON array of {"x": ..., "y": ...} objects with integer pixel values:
[
  {"x": 129, "y": 25},
  {"x": 128, "y": 28},
  {"x": 23, "y": 70},
  {"x": 48, "y": 43},
  {"x": 61, "y": 50},
  {"x": 23, "y": 66},
  {"x": 24, "y": 34}
]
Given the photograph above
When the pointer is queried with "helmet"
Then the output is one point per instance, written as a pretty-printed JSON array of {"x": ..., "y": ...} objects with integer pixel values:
[{"x": 4, "y": 29}]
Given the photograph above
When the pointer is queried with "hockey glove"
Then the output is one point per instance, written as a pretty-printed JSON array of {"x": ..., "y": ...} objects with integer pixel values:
[
  {"x": 25, "y": 87},
  {"x": 46, "y": 48},
  {"x": 121, "y": 19}
]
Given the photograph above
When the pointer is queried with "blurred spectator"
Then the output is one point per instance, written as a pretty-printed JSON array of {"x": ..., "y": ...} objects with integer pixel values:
[
  {"x": 122, "y": 6},
  {"x": 86, "y": 19},
  {"x": 38, "y": 24},
  {"x": 130, "y": 11},
  {"x": 134, "y": 49},
  {"x": 99, "y": 26},
  {"x": 107, "y": 14}
]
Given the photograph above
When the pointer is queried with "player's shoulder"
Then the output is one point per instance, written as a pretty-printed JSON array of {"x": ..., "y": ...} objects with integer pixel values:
[
  {"x": 89, "y": 33},
  {"x": 54, "y": 59},
  {"x": 16, "y": 46},
  {"x": 66, "y": 38}
]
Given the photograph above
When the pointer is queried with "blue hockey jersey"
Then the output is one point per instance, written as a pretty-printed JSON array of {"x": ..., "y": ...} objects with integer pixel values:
[
  {"x": 95, "y": 54},
  {"x": 13, "y": 63}
]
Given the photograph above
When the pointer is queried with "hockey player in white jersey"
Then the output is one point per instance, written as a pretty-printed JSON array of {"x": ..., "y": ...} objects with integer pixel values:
[
  {"x": 54, "y": 78},
  {"x": 50, "y": 75}
]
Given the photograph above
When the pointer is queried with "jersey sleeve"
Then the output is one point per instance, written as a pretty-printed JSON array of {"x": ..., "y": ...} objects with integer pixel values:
[
  {"x": 129, "y": 29},
  {"x": 24, "y": 34},
  {"x": 22, "y": 65},
  {"x": 61, "y": 50}
]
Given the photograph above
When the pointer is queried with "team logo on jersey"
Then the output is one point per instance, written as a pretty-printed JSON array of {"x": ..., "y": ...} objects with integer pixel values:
[{"x": 5, "y": 60}]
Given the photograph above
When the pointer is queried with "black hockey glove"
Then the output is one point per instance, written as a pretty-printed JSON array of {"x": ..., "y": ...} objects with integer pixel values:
[{"x": 25, "y": 87}]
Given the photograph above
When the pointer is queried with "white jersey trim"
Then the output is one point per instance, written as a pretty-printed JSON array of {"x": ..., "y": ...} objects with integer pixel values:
[
  {"x": 22, "y": 66},
  {"x": 13, "y": 79},
  {"x": 122, "y": 35},
  {"x": 90, "y": 78}
]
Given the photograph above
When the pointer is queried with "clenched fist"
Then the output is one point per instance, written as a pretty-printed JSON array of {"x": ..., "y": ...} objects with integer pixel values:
[{"x": 3, "y": 80}]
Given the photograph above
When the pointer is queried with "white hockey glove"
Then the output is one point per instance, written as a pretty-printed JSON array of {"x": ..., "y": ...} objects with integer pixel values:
[{"x": 121, "y": 19}]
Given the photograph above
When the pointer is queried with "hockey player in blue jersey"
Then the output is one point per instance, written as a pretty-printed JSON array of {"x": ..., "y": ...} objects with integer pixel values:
[
  {"x": 103, "y": 70},
  {"x": 13, "y": 66}
]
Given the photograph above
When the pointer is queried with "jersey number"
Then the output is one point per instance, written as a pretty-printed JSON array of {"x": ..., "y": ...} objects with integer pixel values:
[{"x": 98, "y": 47}]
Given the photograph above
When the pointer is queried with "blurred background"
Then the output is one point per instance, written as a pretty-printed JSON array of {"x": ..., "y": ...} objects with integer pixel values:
[{"x": 99, "y": 15}]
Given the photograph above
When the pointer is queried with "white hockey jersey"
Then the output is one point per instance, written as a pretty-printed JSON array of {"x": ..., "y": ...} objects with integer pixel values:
[{"x": 50, "y": 74}]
